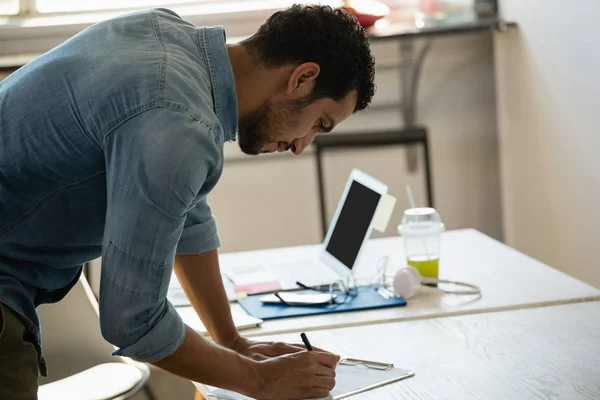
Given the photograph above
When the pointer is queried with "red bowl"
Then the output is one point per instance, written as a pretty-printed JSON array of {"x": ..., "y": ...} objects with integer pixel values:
[{"x": 366, "y": 20}]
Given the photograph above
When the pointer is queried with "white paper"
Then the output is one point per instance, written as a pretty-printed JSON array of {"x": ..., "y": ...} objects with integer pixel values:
[
  {"x": 177, "y": 297},
  {"x": 241, "y": 319},
  {"x": 307, "y": 271}
]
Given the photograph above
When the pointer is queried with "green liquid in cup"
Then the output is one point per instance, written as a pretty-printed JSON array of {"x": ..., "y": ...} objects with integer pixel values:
[{"x": 427, "y": 268}]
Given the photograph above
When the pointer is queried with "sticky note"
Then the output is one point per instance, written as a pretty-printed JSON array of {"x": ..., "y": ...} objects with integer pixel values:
[
  {"x": 258, "y": 287},
  {"x": 384, "y": 212}
]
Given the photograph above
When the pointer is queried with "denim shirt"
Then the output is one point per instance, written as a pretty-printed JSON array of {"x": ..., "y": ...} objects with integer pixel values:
[{"x": 109, "y": 145}]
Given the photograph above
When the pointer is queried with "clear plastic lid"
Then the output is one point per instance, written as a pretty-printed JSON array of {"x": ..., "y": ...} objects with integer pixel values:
[{"x": 421, "y": 221}]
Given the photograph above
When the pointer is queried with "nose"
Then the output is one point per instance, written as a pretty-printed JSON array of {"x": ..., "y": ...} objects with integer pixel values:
[
  {"x": 297, "y": 150},
  {"x": 299, "y": 145}
]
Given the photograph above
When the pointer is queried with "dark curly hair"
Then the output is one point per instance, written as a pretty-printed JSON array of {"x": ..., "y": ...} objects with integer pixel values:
[{"x": 330, "y": 37}]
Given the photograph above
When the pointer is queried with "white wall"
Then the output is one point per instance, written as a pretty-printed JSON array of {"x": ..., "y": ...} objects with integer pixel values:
[
  {"x": 548, "y": 88},
  {"x": 272, "y": 200}
]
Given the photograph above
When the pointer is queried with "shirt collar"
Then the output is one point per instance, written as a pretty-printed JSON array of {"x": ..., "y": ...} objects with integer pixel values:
[{"x": 212, "y": 43}]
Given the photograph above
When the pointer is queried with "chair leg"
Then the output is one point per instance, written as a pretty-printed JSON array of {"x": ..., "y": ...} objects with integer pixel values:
[
  {"x": 428, "y": 178},
  {"x": 318, "y": 157}
]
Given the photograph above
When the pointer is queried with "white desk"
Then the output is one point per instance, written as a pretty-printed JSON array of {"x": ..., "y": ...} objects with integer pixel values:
[
  {"x": 509, "y": 280},
  {"x": 541, "y": 353}
]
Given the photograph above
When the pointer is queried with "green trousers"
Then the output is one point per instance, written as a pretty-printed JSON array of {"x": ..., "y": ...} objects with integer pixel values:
[{"x": 18, "y": 358}]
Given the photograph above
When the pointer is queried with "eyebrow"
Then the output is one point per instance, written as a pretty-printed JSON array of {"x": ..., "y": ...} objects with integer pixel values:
[{"x": 331, "y": 124}]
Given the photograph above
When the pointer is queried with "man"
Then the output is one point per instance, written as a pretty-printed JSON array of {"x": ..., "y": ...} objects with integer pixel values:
[{"x": 109, "y": 146}]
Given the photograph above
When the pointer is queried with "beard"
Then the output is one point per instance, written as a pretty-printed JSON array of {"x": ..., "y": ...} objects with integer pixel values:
[
  {"x": 253, "y": 131},
  {"x": 268, "y": 123}
]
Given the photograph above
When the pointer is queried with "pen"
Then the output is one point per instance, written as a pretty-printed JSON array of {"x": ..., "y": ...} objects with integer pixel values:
[
  {"x": 318, "y": 287},
  {"x": 306, "y": 342}
]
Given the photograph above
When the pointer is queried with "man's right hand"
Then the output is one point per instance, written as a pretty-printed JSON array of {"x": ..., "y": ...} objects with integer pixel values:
[{"x": 306, "y": 374}]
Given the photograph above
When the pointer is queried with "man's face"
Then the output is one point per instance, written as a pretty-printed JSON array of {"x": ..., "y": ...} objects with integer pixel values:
[{"x": 284, "y": 123}]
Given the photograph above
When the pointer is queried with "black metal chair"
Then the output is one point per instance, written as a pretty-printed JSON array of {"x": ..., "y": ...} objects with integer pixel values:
[{"x": 406, "y": 136}]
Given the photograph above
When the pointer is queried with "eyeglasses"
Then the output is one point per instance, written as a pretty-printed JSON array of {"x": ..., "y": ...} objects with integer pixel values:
[{"x": 339, "y": 291}]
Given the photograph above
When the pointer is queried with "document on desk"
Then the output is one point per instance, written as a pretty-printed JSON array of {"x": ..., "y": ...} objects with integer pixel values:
[
  {"x": 177, "y": 297},
  {"x": 350, "y": 380},
  {"x": 241, "y": 319}
]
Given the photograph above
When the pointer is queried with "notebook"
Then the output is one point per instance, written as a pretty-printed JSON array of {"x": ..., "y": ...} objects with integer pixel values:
[{"x": 350, "y": 380}]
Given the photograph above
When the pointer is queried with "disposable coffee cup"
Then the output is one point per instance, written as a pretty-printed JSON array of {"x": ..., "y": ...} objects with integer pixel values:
[{"x": 421, "y": 231}]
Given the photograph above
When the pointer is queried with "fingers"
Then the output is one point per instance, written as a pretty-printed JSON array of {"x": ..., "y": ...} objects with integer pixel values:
[
  {"x": 318, "y": 393},
  {"x": 303, "y": 347},
  {"x": 267, "y": 351},
  {"x": 327, "y": 359},
  {"x": 286, "y": 348},
  {"x": 325, "y": 351},
  {"x": 281, "y": 348},
  {"x": 314, "y": 348},
  {"x": 321, "y": 386},
  {"x": 296, "y": 347},
  {"x": 324, "y": 382},
  {"x": 325, "y": 371}
]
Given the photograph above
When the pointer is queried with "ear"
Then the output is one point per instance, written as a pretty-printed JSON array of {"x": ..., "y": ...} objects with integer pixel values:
[{"x": 302, "y": 80}]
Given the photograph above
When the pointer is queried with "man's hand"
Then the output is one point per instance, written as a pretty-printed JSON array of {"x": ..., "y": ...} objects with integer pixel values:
[
  {"x": 306, "y": 374},
  {"x": 264, "y": 350}
]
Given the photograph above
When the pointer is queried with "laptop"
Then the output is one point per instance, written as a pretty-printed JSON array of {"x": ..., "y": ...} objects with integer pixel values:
[{"x": 348, "y": 233}]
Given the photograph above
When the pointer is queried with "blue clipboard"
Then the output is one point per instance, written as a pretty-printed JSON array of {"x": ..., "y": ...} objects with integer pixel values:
[{"x": 367, "y": 298}]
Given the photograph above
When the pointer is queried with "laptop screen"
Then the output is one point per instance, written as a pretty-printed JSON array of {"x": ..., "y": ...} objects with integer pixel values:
[{"x": 352, "y": 223}]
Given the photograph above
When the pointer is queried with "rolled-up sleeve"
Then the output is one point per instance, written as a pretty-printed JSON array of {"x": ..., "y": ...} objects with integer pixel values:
[
  {"x": 199, "y": 232},
  {"x": 156, "y": 163}
]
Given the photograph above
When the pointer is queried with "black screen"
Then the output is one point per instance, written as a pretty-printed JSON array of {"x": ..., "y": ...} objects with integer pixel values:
[{"x": 353, "y": 223}]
